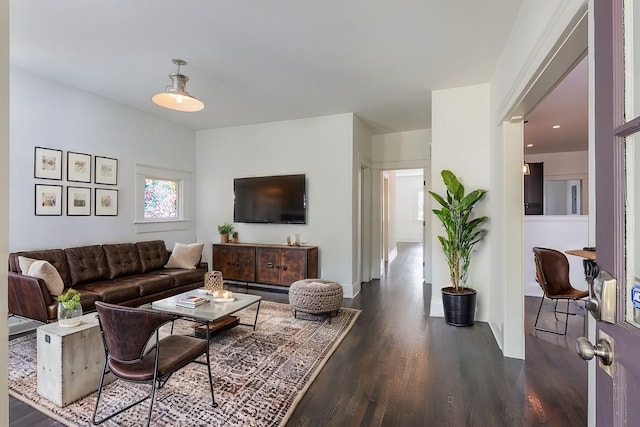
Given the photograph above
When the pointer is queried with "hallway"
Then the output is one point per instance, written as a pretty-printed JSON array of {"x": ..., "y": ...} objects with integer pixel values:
[{"x": 398, "y": 367}]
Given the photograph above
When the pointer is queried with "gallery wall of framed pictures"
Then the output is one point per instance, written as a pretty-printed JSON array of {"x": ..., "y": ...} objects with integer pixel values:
[{"x": 50, "y": 197}]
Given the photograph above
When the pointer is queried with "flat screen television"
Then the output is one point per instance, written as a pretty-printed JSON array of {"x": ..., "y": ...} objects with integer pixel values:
[{"x": 270, "y": 199}]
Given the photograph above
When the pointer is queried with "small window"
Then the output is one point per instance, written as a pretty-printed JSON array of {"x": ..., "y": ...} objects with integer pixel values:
[{"x": 160, "y": 198}]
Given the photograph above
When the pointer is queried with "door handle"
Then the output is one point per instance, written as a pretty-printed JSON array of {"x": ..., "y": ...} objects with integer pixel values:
[
  {"x": 602, "y": 293},
  {"x": 284, "y": 267},
  {"x": 587, "y": 351}
]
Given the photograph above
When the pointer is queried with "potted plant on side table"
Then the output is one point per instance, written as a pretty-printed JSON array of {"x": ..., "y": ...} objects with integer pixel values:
[
  {"x": 69, "y": 309},
  {"x": 462, "y": 233},
  {"x": 224, "y": 230},
  {"x": 234, "y": 237}
]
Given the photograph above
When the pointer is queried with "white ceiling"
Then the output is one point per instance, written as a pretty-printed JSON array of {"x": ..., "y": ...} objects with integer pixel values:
[
  {"x": 261, "y": 61},
  {"x": 567, "y": 106}
]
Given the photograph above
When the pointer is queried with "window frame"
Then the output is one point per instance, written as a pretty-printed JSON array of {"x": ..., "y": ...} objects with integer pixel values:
[{"x": 183, "y": 180}]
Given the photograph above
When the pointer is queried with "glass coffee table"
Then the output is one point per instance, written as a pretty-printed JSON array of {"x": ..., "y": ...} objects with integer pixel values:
[{"x": 212, "y": 313}]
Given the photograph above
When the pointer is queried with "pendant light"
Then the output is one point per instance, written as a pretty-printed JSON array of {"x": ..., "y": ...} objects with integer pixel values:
[
  {"x": 525, "y": 169},
  {"x": 175, "y": 96}
]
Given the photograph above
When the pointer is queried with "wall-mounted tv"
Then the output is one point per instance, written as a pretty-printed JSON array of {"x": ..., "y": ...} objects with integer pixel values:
[{"x": 270, "y": 199}]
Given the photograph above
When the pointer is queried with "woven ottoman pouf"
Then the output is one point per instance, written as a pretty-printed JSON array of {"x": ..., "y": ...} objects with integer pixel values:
[{"x": 315, "y": 296}]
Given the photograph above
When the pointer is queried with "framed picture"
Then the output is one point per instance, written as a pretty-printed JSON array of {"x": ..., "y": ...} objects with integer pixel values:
[
  {"x": 106, "y": 170},
  {"x": 48, "y": 199},
  {"x": 78, "y": 201},
  {"x": 78, "y": 167},
  {"x": 47, "y": 163},
  {"x": 106, "y": 202}
]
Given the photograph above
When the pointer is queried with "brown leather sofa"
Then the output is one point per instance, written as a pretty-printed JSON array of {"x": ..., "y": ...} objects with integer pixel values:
[{"x": 127, "y": 274}]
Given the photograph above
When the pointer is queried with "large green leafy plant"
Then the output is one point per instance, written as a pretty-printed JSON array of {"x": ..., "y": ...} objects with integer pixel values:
[{"x": 463, "y": 231}]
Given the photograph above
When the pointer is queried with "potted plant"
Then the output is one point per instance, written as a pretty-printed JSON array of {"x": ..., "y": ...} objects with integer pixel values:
[
  {"x": 463, "y": 231},
  {"x": 224, "y": 230},
  {"x": 69, "y": 308},
  {"x": 234, "y": 237}
]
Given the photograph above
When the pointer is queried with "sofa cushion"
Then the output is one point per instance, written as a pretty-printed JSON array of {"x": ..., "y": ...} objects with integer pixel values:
[
  {"x": 181, "y": 276},
  {"x": 122, "y": 259},
  {"x": 55, "y": 257},
  {"x": 152, "y": 283},
  {"x": 86, "y": 264},
  {"x": 47, "y": 272},
  {"x": 185, "y": 256},
  {"x": 115, "y": 290},
  {"x": 153, "y": 255}
]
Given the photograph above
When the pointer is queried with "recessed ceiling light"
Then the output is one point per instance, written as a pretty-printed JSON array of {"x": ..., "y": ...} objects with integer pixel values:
[
  {"x": 529, "y": 145},
  {"x": 556, "y": 126}
]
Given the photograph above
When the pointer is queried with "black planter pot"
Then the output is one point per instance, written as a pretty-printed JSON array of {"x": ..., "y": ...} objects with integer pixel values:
[{"x": 459, "y": 308}]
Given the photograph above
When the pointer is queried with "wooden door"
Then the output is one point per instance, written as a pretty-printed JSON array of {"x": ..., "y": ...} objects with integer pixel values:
[
  {"x": 222, "y": 260},
  {"x": 293, "y": 266},
  {"x": 268, "y": 263},
  {"x": 617, "y": 162},
  {"x": 534, "y": 189},
  {"x": 244, "y": 259}
]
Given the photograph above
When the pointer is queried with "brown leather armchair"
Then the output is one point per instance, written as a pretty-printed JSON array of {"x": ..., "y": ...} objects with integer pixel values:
[
  {"x": 552, "y": 274},
  {"x": 125, "y": 334}
]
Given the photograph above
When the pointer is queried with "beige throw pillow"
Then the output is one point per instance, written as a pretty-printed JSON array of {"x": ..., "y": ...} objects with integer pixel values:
[
  {"x": 185, "y": 256},
  {"x": 25, "y": 263},
  {"x": 47, "y": 272}
]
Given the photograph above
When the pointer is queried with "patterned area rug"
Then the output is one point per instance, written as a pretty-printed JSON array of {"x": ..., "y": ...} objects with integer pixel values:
[{"x": 259, "y": 376}]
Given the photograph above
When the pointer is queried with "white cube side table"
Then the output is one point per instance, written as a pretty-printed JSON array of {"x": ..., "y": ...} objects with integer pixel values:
[{"x": 70, "y": 360}]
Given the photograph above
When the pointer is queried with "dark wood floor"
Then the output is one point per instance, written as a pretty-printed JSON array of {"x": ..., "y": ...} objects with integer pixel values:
[{"x": 399, "y": 367}]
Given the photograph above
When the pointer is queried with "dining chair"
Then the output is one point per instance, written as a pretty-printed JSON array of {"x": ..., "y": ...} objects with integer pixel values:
[{"x": 552, "y": 274}]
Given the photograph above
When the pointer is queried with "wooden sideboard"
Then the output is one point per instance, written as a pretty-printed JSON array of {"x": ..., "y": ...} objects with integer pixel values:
[{"x": 268, "y": 264}]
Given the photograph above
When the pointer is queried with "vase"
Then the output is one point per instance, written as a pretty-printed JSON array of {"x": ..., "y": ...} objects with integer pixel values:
[
  {"x": 459, "y": 308},
  {"x": 69, "y": 317},
  {"x": 213, "y": 281}
]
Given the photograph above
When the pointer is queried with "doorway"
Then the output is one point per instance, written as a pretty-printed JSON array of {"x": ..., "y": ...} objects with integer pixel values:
[
  {"x": 402, "y": 214},
  {"x": 565, "y": 156}
]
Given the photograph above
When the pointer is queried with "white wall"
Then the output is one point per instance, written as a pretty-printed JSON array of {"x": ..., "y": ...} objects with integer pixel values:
[
  {"x": 89, "y": 124},
  {"x": 559, "y": 232},
  {"x": 320, "y": 147},
  {"x": 4, "y": 206},
  {"x": 408, "y": 228},
  {"x": 565, "y": 166},
  {"x": 461, "y": 140}
]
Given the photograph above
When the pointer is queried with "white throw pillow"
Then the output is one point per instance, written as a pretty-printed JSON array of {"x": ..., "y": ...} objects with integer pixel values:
[
  {"x": 47, "y": 272},
  {"x": 25, "y": 263},
  {"x": 185, "y": 256}
]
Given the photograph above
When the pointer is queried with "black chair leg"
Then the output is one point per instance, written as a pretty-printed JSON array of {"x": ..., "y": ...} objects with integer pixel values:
[
  {"x": 555, "y": 313},
  {"x": 566, "y": 318},
  {"x": 95, "y": 411},
  {"x": 213, "y": 399},
  {"x": 538, "y": 316}
]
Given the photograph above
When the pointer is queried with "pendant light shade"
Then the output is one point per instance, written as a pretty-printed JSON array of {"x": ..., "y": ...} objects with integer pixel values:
[
  {"x": 525, "y": 169},
  {"x": 175, "y": 96}
]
